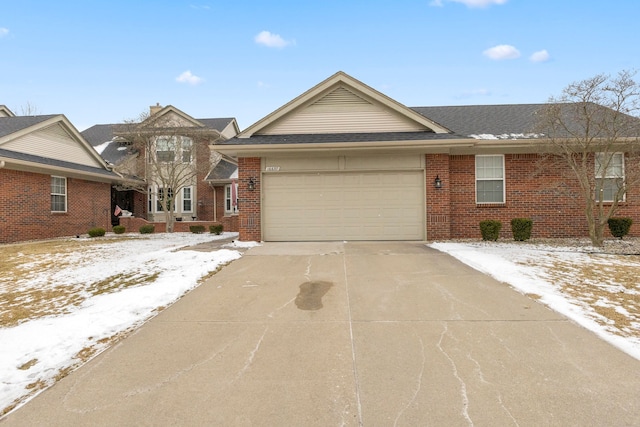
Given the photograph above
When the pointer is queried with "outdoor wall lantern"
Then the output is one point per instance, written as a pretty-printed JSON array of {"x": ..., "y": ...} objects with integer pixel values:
[
  {"x": 252, "y": 184},
  {"x": 437, "y": 182}
]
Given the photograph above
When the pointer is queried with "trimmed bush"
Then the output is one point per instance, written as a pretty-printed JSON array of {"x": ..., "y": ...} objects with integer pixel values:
[
  {"x": 119, "y": 229},
  {"x": 521, "y": 228},
  {"x": 216, "y": 229},
  {"x": 619, "y": 227},
  {"x": 490, "y": 229},
  {"x": 96, "y": 232},
  {"x": 196, "y": 229},
  {"x": 147, "y": 229}
]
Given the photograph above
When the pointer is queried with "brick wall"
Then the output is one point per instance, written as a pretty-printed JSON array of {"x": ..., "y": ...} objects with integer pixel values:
[
  {"x": 249, "y": 200},
  {"x": 25, "y": 207},
  {"x": 438, "y": 199},
  {"x": 529, "y": 194},
  {"x": 133, "y": 224}
]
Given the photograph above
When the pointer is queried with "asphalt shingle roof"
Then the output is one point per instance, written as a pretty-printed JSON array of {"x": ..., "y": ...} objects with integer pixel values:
[
  {"x": 225, "y": 170},
  {"x": 319, "y": 138},
  {"x": 9, "y": 125},
  {"x": 484, "y": 119},
  {"x": 53, "y": 162}
]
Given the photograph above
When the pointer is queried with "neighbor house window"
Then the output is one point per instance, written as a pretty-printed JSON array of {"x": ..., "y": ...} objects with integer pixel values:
[
  {"x": 490, "y": 179},
  {"x": 162, "y": 193},
  {"x": 609, "y": 176},
  {"x": 187, "y": 199},
  {"x": 165, "y": 149},
  {"x": 187, "y": 149},
  {"x": 58, "y": 194},
  {"x": 231, "y": 198}
]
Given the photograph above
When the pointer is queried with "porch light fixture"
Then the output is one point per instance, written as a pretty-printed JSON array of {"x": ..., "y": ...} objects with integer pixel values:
[
  {"x": 252, "y": 184},
  {"x": 437, "y": 182}
]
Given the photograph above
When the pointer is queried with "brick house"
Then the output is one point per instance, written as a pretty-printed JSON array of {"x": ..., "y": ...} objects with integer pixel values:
[
  {"x": 343, "y": 161},
  {"x": 52, "y": 182},
  {"x": 174, "y": 138}
]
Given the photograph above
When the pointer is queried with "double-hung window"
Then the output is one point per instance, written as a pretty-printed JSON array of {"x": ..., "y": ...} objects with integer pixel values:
[
  {"x": 490, "y": 186},
  {"x": 58, "y": 194},
  {"x": 231, "y": 198},
  {"x": 187, "y": 199},
  {"x": 165, "y": 150},
  {"x": 187, "y": 149},
  {"x": 609, "y": 175},
  {"x": 162, "y": 193}
]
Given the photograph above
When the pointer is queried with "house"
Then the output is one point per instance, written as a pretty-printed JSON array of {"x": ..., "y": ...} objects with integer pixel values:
[
  {"x": 170, "y": 154},
  {"x": 52, "y": 182},
  {"x": 343, "y": 161}
]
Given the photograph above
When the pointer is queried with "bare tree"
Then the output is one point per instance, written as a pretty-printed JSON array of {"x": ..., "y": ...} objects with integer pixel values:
[
  {"x": 173, "y": 153},
  {"x": 29, "y": 109},
  {"x": 592, "y": 130}
]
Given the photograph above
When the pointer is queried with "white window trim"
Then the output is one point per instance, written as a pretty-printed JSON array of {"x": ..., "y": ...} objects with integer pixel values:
[
  {"x": 227, "y": 196},
  {"x": 182, "y": 199},
  {"x": 600, "y": 174},
  {"x": 66, "y": 192},
  {"x": 476, "y": 179},
  {"x": 155, "y": 201}
]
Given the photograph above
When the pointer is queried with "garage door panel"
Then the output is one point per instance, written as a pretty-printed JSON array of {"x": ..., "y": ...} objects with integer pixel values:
[{"x": 384, "y": 205}]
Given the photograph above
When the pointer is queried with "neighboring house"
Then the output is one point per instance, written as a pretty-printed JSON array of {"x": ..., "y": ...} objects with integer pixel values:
[
  {"x": 52, "y": 182},
  {"x": 167, "y": 138},
  {"x": 343, "y": 161}
]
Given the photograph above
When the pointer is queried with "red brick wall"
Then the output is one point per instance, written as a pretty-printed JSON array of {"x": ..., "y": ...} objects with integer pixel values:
[
  {"x": 438, "y": 199},
  {"x": 529, "y": 194},
  {"x": 25, "y": 207},
  {"x": 133, "y": 224},
  {"x": 249, "y": 200}
]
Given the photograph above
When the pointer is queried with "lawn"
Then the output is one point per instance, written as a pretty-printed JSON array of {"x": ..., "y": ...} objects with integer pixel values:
[{"x": 63, "y": 301}]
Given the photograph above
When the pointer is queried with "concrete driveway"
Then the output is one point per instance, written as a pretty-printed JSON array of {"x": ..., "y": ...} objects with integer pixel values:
[{"x": 333, "y": 334}]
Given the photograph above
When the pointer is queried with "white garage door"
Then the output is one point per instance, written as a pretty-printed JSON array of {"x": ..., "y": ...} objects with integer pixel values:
[{"x": 329, "y": 206}]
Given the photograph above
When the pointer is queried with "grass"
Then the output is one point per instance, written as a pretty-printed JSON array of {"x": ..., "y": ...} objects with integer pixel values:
[{"x": 605, "y": 285}]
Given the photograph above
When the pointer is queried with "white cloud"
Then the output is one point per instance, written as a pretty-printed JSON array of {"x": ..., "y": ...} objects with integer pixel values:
[
  {"x": 269, "y": 39},
  {"x": 503, "y": 51},
  {"x": 3, "y": 31},
  {"x": 540, "y": 56},
  {"x": 188, "y": 77},
  {"x": 470, "y": 3}
]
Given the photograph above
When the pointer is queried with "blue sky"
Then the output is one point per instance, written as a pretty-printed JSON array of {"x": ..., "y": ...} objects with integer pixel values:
[{"x": 107, "y": 61}]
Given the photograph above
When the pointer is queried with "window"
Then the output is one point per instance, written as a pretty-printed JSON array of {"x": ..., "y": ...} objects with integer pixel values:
[
  {"x": 490, "y": 179},
  {"x": 165, "y": 149},
  {"x": 187, "y": 148},
  {"x": 231, "y": 198},
  {"x": 58, "y": 194},
  {"x": 187, "y": 199},
  {"x": 162, "y": 192},
  {"x": 609, "y": 176}
]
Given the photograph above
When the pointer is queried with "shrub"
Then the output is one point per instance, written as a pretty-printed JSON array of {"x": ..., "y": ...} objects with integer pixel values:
[
  {"x": 119, "y": 229},
  {"x": 619, "y": 227},
  {"x": 521, "y": 228},
  {"x": 196, "y": 229},
  {"x": 216, "y": 229},
  {"x": 96, "y": 232},
  {"x": 490, "y": 229},
  {"x": 147, "y": 229}
]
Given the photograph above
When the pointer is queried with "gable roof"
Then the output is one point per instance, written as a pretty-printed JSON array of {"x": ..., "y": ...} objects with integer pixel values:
[
  {"x": 330, "y": 99},
  {"x": 112, "y": 148},
  {"x": 5, "y": 111},
  {"x": 50, "y": 143},
  {"x": 224, "y": 171}
]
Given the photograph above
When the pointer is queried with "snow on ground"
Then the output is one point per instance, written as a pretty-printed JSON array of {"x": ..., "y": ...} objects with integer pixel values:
[
  {"x": 598, "y": 291},
  {"x": 114, "y": 284}
]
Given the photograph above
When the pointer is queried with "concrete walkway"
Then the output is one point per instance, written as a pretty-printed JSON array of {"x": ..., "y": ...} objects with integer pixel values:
[{"x": 332, "y": 334}]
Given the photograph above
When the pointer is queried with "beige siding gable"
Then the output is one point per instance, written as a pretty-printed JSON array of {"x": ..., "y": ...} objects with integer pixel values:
[
  {"x": 170, "y": 117},
  {"x": 342, "y": 110},
  {"x": 53, "y": 142}
]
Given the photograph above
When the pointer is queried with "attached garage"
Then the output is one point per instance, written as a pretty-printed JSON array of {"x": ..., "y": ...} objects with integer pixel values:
[
  {"x": 347, "y": 204},
  {"x": 340, "y": 162}
]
